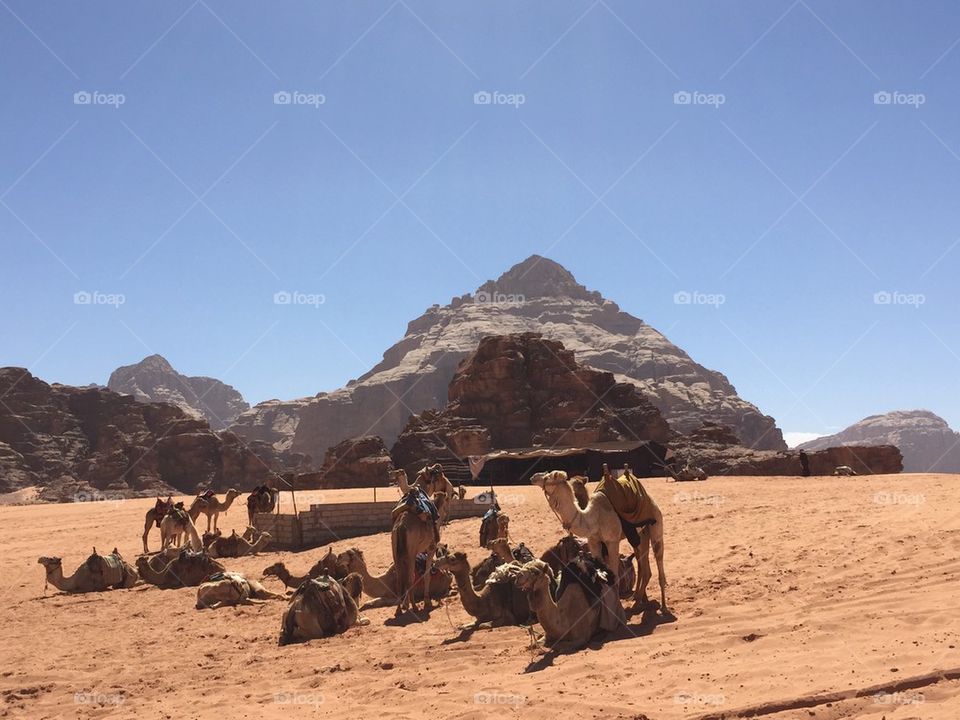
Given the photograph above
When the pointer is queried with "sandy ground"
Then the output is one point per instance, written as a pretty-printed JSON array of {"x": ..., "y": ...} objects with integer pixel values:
[{"x": 783, "y": 589}]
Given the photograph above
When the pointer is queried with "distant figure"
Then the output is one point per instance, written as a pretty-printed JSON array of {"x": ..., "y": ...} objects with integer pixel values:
[{"x": 804, "y": 464}]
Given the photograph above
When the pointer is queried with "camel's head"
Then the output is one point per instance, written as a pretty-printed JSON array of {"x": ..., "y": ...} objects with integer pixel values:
[
  {"x": 50, "y": 563},
  {"x": 503, "y": 525},
  {"x": 555, "y": 486},
  {"x": 233, "y": 494},
  {"x": 274, "y": 570},
  {"x": 351, "y": 560},
  {"x": 532, "y": 574},
  {"x": 453, "y": 562},
  {"x": 440, "y": 500},
  {"x": 397, "y": 475},
  {"x": 543, "y": 480},
  {"x": 353, "y": 584}
]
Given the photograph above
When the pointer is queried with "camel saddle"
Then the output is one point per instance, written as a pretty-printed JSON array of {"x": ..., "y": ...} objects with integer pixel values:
[
  {"x": 416, "y": 500},
  {"x": 629, "y": 499},
  {"x": 597, "y": 582},
  {"x": 110, "y": 567}
]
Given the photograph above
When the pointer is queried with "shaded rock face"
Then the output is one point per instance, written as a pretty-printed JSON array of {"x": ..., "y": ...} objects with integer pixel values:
[
  {"x": 925, "y": 440},
  {"x": 524, "y": 390},
  {"x": 359, "y": 462},
  {"x": 91, "y": 443},
  {"x": 154, "y": 380},
  {"x": 537, "y": 295}
]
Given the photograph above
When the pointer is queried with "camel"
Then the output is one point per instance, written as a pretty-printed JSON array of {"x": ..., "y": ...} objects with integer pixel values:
[
  {"x": 569, "y": 548},
  {"x": 322, "y": 607},
  {"x": 844, "y": 470},
  {"x": 414, "y": 533},
  {"x": 154, "y": 516},
  {"x": 174, "y": 524},
  {"x": 601, "y": 525},
  {"x": 501, "y": 552},
  {"x": 211, "y": 507},
  {"x": 384, "y": 587},
  {"x": 580, "y": 492},
  {"x": 230, "y": 588},
  {"x": 185, "y": 570},
  {"x": 687, "y": 473},
  {"x": 431, "y": 480},
  {"x": 263, "y": 499},
  {"x": 495, "y": 524},
  {"x": 498, "y": 603},
  {"x": 569, "y": 621},
  {"x": 327, "y": 565},
  {"x": 98, "y": 573},
  {"x": 238, "y": 546}
]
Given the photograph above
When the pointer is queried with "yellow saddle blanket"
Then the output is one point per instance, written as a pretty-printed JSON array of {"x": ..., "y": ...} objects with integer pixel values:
[{"x": 629, "y": 499}]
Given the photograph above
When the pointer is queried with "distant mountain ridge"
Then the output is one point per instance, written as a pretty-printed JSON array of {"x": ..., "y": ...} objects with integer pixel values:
[{"x": 927, "y": 442}]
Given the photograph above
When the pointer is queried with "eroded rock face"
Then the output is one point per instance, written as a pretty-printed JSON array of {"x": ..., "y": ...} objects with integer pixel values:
[
  {"x": 537, "y": 295},
  {"x": 523, "y": 390},
  {"x": 154, "y": 380},
  {"x": 92, "y": 443},
  {"x": 358, "y": 462},
  {"x": 926, "y": 441}
]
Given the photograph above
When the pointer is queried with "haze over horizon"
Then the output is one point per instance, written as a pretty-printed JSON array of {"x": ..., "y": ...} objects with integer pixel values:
[{"x": 798, "y": 163}]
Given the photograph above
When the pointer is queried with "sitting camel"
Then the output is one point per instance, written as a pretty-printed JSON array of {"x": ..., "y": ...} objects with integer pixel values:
[
  {"x": 385, "y": 587},
  {"x": 327, "y": 565},
  {"x": 499, "y": 602},
  {"x": 174, "y": 525},
  {"x": 238, "y": 546},
  {"x": 154, "y": 516},
  {"x": 322, "y": 607},
  {"x": 687, "y": 472},
  {"x": 414, "y": 533},
  {"x": 844, "y": 471},
  {"x": 211, "y": 507},
  {"x": 98, "y": 573},
  {"x": 600, "y": 523},
  {"x": 230, "y": 588},
  {"x": 262, "y": 499},
  {"x": 569, "y": 548},
  {"x": 187, "y": 569}
]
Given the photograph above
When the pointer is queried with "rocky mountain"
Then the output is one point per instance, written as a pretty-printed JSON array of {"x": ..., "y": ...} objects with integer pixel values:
[
  {"x": 92, "y": 443},
  {"x": 537, "y": 295},
  {"x": 154, "y": 380},
  {"x": 926, "y": 441}
]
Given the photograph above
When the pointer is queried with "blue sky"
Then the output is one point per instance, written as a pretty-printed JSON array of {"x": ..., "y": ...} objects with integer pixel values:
[{"x": 784, "y": 185}]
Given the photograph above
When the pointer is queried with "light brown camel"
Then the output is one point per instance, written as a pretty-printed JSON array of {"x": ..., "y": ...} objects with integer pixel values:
[
  {"x": 600, "y": 524},
  {"x": 327, "y": 565},
  {"x": 96, "y": 574},
  {"x": 230, "y": 588},
  {"x": 431, "y": 480},
  {"x": 210, "y": 506},
  {"x": 154, "y": 516},
  {"x": 237, "y": 546},
  {"x": 174, "y": 525},
  {"x": 414, "y": 533},
  {"x": 569, "y": 622},
  {"x": 187, "y": 569},
  {"x": 499, "y": 602},
  {"x": 322, "y": 607},
  {"x": 384, "y": 587}
]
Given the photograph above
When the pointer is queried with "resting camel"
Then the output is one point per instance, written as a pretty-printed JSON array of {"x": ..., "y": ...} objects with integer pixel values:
[
  {"x": 322, "y": 607},
  {"x": 211, "y": 507},
  {"x": 601, "y": 525},
  {"x": 327, "y": 565},
  {"x": 262, "y": 499},
  {"x": 414, "y": 533},
  {"x": 687, "y": 472},
  {"x": 844, "y": 470},
  {"x": 230, "y": 588},
  {"x": 499, "y": 602},
  {"x": 154, "y": 516},
  {"x": 238, "y": 546},
  {"x": 185, "y": 570},
  {"x": 98, "y": 573},
  {"x": 173, "y": 526},
  {"x": 570, "y": 621},
  {"x": 384, "y": 587},
  {"x": 501, "y": 551},
  {"x": 569, "y": 548}
]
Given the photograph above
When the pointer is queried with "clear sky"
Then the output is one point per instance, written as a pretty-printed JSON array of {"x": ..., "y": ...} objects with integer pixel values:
[{"x": 726, "y": 149}]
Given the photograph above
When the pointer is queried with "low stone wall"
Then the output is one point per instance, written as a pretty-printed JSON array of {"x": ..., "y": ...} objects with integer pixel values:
[{"x": 328, "y": 522}]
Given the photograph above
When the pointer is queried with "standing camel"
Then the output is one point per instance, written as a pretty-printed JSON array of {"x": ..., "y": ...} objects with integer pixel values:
[
  {"x": 211, "y": 507},
  {"x": 413, "y": 533},
  {"x": 173, "y": 526},
  {"x": 603, "y": 528},
  {"x": 262, "y": 499},
  {"x": 154, "y": 516}
]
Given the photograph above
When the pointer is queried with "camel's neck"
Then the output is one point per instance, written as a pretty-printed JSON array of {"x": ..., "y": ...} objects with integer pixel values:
[
  {"x": 547, "y": 611},
  {"x": 468, "y": 596},
  {"x": 227, "y": 503},
  {"x": 373, "y": 586},
  {"x": 55, "y": 577},
  {"x": 570, "y": 515}
]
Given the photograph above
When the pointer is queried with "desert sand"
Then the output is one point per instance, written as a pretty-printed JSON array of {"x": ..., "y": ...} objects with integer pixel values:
[{"x": 784, "y": 589}]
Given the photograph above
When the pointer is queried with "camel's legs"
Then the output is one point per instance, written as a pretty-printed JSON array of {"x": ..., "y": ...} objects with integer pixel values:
[
  {"x": 208, "y": 523},
  {"x": 642, "y": 553},
  {"x": 428, "y": 566},
  {"x": 661, "y": 575},
  {"x": 146, "y": 530},
  {"x": 613, "y": 560}
]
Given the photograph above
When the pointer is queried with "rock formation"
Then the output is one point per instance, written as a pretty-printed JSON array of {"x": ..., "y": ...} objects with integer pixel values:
[
  {"x": 537, "y": 295},
  {"x": 154, "y": 380},
  {"x": 926, "y": 441},
  {"x": 358, "y": 462},
  {"x": 91, "y": 443}
]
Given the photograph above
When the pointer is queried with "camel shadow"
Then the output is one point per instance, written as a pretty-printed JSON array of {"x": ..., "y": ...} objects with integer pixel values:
[{"x": 410, "y": 617}]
